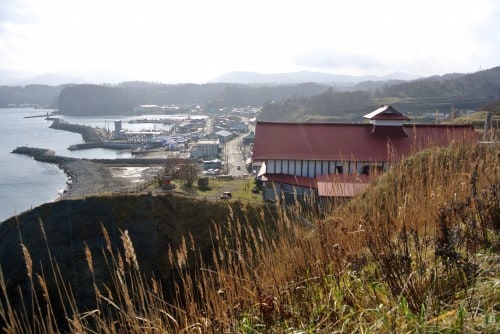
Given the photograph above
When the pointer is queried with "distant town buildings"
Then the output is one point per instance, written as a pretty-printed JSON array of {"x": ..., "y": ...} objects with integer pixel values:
[
  {"x": 205, "y": 148},
  {"x": 147, "y": 109}
]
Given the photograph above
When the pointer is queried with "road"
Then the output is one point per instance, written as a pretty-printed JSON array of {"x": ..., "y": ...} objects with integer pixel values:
[{"x": 233, "y": 157}]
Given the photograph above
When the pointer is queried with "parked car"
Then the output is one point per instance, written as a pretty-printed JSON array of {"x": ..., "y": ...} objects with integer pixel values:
[{"x": 225, "y": 195}]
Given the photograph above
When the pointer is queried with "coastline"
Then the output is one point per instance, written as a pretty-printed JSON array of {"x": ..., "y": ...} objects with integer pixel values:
[{"x": 86, "y": 177}]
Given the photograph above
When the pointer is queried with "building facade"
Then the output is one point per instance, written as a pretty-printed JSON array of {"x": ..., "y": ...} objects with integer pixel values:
[
  {"x": 303, "y": 158},
  {"x": 205, "y": 148}
]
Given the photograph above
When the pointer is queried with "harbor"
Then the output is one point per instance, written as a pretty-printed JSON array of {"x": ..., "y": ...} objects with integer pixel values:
[{"x": 139, "y": 142}]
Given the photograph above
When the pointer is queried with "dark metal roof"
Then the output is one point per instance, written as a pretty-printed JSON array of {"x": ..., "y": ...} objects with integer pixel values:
[
  {"x": 355, "y": 142},
  {"x": 388, "y": 131}
]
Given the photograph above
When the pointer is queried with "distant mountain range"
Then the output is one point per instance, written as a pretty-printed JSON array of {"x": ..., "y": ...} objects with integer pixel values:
[
  {"x": 305, "y": 76},
  {"x": 23, "y": 78}
]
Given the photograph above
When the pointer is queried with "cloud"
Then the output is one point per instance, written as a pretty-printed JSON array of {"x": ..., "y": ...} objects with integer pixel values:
[
  {"x": 327, "y": 59},
  {"x": 13, "y": 11},
  {"x": 486, "y": 35},
  {"x": 198, "y": 39}
]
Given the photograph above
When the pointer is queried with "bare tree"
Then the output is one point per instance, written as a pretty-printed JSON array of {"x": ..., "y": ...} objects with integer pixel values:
[
  {"x": 171, "y": 165},
  {"x": 188, "y": 172}
]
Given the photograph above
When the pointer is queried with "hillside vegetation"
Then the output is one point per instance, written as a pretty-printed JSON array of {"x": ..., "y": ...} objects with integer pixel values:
[
  {"x": 33, "y": 95},
  {"x": 121, "y": 99},
  {"x": 283, "y": 102},
  {"x": 416, "y": 97},
  {"x": 418, "y": 252},
  {"x": 478, "y": 119}
]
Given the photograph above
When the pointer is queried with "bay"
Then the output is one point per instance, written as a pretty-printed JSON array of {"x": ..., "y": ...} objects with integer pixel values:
[{"x": 26, "y": 183}]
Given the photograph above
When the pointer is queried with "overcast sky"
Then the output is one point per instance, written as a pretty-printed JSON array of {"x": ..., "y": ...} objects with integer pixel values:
[{"x": 198, "y": 40}]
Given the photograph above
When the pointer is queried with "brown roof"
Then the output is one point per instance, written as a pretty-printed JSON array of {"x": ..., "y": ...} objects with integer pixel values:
[
  {"x": 300, "y": 181},
  {"x": 332, "y": 185},
  {"x": 342, "y": 185},
  {"x": 341, "y": 141}
]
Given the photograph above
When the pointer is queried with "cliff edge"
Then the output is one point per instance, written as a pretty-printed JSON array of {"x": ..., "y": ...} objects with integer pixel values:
[{"x": 155, "y": 224}]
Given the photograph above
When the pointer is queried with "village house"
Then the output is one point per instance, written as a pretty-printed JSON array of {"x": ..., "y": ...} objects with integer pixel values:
[{"x": 339, "y": 160}]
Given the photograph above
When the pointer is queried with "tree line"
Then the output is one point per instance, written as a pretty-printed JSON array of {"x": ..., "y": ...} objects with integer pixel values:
[
  {"x": 437, "y": 93},
  {"x": 280, "y": 102}
]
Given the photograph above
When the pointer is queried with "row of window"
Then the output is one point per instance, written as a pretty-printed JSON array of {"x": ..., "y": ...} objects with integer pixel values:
[{"x": 313, "y": 168}]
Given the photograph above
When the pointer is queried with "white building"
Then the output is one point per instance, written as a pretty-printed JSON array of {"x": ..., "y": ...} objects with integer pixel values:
[{"x": 205, "y": 148}]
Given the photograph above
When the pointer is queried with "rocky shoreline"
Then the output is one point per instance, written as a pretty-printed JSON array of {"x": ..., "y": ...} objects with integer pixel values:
[{"x": 87, "y": 177}]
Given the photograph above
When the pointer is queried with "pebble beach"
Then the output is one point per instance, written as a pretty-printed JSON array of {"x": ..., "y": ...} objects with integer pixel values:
[{"x": 87, "y": 177}]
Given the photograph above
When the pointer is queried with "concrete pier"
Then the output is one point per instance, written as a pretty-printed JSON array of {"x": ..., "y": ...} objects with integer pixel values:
[
  {"x": 44, "y": 155},
  {"x": 89, "y": 134}
]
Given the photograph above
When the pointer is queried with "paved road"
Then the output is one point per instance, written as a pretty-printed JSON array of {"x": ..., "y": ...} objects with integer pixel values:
[
  {"x": 209, "y": 126},
  {"x": 233, "y": 157}
]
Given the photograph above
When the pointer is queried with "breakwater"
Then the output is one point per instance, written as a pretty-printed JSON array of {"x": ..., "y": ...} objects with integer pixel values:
[
  {"x": 89, "y": 134},
  {"x": 44, "y": 155}
]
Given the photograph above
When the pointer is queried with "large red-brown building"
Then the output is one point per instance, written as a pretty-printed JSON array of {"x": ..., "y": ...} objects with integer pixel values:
[{"x": 340, "y": 159}]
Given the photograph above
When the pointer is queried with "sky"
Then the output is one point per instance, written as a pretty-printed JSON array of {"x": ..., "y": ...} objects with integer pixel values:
[{"x": 176, "y": 41}]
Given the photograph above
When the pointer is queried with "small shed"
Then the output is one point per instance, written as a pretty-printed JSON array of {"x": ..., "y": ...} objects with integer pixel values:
[{"x": 203, "y": 182}]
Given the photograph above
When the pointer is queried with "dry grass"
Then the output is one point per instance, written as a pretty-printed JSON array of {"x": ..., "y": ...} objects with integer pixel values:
[{"x": 418, "y": 252}]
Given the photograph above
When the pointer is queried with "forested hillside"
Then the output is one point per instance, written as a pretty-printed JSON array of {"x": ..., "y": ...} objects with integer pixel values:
[
  {"x": 34, "y": 95},
  {"x": 121, "y": 99},
  {"x": 294, "y": 102},
  {"x": 429, "y": 95}
]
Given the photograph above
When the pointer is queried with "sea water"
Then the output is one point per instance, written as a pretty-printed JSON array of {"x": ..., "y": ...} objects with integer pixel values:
[{"x": 26, "y": 183}]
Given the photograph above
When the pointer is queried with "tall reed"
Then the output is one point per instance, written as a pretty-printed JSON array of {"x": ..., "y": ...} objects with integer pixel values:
[{"x": 418, "y": 251}]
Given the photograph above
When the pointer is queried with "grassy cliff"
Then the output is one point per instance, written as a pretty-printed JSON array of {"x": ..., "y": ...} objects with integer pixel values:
[{"x": 418, "y": 252}]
